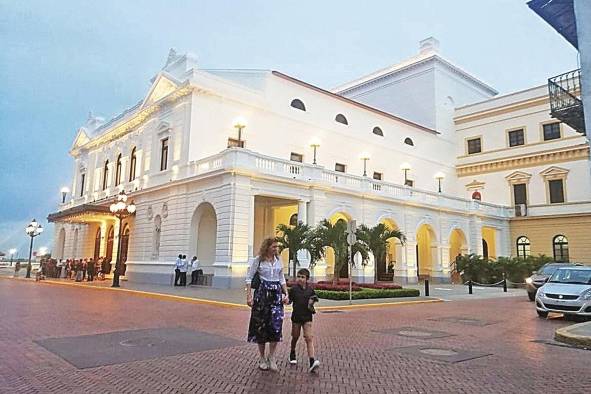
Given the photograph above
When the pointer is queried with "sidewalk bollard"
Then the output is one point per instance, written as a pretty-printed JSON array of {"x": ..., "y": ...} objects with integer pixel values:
[
  {"x": 504, "y": 283},
  {"x": 469, "y": 287},
  {"x": 426, "y": 287}
]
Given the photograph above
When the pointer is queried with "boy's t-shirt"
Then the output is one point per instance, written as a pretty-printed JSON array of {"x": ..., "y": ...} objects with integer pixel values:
[{"x": 300, "y": 298}]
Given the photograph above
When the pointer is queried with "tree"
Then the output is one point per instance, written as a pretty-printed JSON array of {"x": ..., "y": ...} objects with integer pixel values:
[
  {"x": 376, "y": 238},
  {"x": 335, "y": 235},
  {"x": 296, "y": 238}
]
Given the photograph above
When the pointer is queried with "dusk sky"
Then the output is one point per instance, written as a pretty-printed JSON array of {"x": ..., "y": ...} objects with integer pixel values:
[{"x": 62, "y": 59}]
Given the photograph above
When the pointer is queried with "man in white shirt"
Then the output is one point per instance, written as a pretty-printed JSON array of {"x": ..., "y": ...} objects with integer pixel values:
[
  {"x": 177, "y": 269},
  {"x": 196, "y": 271},
  {"x": 183, "y": 269}
]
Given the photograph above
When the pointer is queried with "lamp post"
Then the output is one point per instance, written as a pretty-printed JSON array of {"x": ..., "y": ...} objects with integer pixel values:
[
  {"x": 11, "y": 252},
  {"x": 64, "y": 191},
  {"x": 239, "y": 124},
  {"x": 315, "y": 144},
  {"x": 406, "y": 168},
  {"x": 32, "y": 230},
  {"x": 121, "y": 209},
  {"x": 365, "y": 158},
  {"x": 439, "y": 176}
]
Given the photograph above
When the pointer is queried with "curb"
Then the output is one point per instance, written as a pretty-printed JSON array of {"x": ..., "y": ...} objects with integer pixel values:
[
  {"x": 565, "y": 335},
  {"x": 171, "y": 297}
]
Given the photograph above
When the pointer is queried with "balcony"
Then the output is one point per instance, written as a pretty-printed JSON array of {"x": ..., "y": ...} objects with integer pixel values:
[{"x": 565, "y": 99}]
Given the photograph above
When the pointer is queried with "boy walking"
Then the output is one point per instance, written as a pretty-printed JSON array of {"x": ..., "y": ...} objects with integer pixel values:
[{"x": 303, "y": 298}]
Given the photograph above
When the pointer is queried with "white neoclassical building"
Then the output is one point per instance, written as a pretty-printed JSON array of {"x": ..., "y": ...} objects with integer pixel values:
[{"x": 216, "y": 159}]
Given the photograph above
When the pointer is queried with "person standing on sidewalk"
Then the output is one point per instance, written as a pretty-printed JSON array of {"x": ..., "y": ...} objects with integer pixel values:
[
  {"x": 17, "y": 268},
  {"x": 183, "y": 269},
  {"x": 265, "y": 274},
  {"x": 195, "y": 270},
  {"x": 90, "y": 270},
  {"x": 177, "y": 269}
]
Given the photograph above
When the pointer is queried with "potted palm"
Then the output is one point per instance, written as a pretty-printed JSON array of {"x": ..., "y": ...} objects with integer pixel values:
[{"x": 376, "y": 238}]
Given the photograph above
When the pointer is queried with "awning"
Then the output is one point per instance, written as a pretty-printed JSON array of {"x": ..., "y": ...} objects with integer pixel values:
[
  {"x": 84, "y": 213},
  {"x": 560, "y": 14}
]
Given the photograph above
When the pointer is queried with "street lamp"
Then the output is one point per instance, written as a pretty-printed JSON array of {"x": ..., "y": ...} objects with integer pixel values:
[
  {"x": 121, "y": 209},
  {"x": 64, "y": 191},
  {"x": 32, "y": 230},
  {"x": 365, "y": 158},
  {"x": 315, "y": 144},
  {"x": 439, "y": 176},
  {"x": 240, "y": 124},
  {"x": 11, "y": 252},
  {"x": 406, "y": 168}
]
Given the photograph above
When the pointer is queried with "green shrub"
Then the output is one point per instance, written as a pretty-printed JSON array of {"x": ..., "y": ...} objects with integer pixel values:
[
  {"x": 477, "y": 269},
  {"x": 367, "y": 294}
]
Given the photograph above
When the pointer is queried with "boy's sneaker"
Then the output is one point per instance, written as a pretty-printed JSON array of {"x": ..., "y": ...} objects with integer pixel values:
[
  {"x": 273, "y": 365},
  {"x": 292, "y": 358},
  {"x": 314, "y": 366},
  {"x": 263, "y": 364}
]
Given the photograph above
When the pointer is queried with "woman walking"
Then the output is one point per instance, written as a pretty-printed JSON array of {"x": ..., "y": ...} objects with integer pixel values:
[{"x": 265, "y": 275}]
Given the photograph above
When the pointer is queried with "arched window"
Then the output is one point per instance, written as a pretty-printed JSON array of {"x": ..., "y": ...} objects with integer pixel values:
[
  {"x": 484, "y": 249},
  {"x": 560, "y": 247},
  {"x": 298, "y": 104},
  {"x": 132, "y": 163},
  {"x": 378, "y": 131},
  {"x": 341, "y": 119},
  {"x": 118, "y": 170},
  {"x": 97, "y": 244},
  {"x": 408, "y": 141},
  {"x": 105, "y": 174},
  {"x": 293, "y": 220},
  {"x": 523, "y": 247}
]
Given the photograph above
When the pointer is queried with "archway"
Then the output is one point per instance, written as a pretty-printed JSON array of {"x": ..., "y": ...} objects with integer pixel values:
[
  {"x": 204, "y": 234},
  {"x": 97, "y": 244},
  {"x": 489, "y": 245},
  {"x": 109, "y": 253},
  {"x": 457, "y": 246},
  {"x": 124, "y": 248},
  {"x": 426, "y": 251},
  {"x": 385, "y": 269},
  {"x": 61, "y": 243}
]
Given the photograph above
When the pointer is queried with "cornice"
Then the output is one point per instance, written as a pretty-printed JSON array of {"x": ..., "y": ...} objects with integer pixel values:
[{"x": 579, "y": 152}]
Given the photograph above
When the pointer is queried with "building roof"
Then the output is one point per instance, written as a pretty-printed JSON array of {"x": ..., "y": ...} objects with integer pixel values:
[{"x": 560, "y": 14}]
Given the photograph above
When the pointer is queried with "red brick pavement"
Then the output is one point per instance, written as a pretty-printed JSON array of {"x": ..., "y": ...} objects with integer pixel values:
[{"x": 355, "y": 359}]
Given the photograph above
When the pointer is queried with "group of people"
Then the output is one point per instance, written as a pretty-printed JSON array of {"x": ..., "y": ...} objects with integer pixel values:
[
  {"x": 75, "y": 269},
  {"x": 182, "y": 267},
  {"x": 265, "y": 276}
]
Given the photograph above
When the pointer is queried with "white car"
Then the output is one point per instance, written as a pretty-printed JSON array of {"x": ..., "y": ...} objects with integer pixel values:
[{"x": 568, "y": 291}]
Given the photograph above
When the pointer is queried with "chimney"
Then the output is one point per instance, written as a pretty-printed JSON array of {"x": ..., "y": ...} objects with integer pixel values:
[{"x": 429, "y": 45}]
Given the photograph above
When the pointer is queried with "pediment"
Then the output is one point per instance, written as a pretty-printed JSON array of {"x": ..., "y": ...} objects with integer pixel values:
[
  {"x": 475, "y": 185},
  {"x": 163, "y": 85},
  {"x": 516, "y": 176},
  {"x": 554, "y": 171},
  {"x": 81, "y": 139}
]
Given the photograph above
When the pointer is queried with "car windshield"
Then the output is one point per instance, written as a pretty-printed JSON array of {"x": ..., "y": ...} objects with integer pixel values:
[
  {"x": 571, "y": 276},
  {"x": 548, "y": 270}
]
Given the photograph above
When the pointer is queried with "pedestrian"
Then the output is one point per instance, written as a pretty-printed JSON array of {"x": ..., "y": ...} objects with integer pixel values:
[
  {"x": 58, "y": 268},
  {"x": 79, "y": 270},
  {"x": 84, "y": 268},
  {"x": 177, "y": 269},
  {"x": 90, "y": 269},
  {"x": 183, "y": 269},
  {"x": 303, "y": 297},
  {"x": 17, "y": 268},
  {"x": 265, "y": 275},
  {"x": 196, "y": 271}
]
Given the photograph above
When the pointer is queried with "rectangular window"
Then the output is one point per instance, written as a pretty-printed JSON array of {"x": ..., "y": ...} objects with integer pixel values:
[
  {"x": 164, "y": 154},
  {"x": 551, "y": 131},
  {"x": 520, "y": 194},
  {"x": 474, "y": 145},
  {"x": 377, "y": 176},
  {"x": 556, "y": 191},
  {"x": 296, "y": 157},
  {"x": 516, "y": 137},
  {"x": 82, "y": 179},
  {"x": 340, "y": 167}
]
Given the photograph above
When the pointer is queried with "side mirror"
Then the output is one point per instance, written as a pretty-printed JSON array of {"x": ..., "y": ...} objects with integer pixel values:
[{"x": 547, "y": 279}]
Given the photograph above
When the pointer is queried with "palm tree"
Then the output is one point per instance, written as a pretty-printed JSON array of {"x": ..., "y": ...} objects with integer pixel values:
[
  {"x": 376, "y": 238},
  {"x": 296, "y": 238},
  {"x": 335, "y": 235}
]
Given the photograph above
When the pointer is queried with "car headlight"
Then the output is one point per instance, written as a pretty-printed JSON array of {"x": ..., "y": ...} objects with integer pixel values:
[
  {"x": 586, "y": 295},
  {"x": 540, "y": 293},
  {"x": 529, "y": 281}
]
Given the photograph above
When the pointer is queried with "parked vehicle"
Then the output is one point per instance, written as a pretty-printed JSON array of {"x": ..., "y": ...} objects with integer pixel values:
[
  {"x": 568, "y": 291},
  {"x": 541, "y": 276}
]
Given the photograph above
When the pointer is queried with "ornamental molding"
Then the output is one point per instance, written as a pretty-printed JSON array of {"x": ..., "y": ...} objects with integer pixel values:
[
  {"x": 579, "y": 152},
  {"x": 150, "y": 213},
  {"x": 518, "y": 177},
  {"x": 554, "y": 172},
  {"x": 165, "y": 210},
  {"x": 475, "y": 185}
]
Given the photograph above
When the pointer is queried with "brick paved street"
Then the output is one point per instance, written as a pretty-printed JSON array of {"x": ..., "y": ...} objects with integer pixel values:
[{"x": 358, "y": 348}]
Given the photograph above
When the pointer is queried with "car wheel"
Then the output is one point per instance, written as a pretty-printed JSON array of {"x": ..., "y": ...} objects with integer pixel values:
[
  {"x": 542, "y": 314},
  {"x": 532, "y": 296}
]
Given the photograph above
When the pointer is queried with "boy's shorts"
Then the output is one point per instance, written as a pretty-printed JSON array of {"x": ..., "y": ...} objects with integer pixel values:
[{"x": 301, "y": 319}]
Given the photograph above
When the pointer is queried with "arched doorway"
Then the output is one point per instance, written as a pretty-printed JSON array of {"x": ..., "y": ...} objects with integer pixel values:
[
  {"x": 385, "y": 270},
  {"x": 489, "y": 245},
  {"x": 124, "y": 247},
  {"x": 97, "y": 244},
  {"x": 426, "y": 251},
  {"x": 457, "y": 246},
  {"x": 61, "y": 243},
  {"x": 204, "y": 234},
  {"x": 109, "y": 253}
]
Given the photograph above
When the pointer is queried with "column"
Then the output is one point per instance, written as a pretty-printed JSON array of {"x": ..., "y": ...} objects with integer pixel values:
[
  {"x": 251, "y": 224},
  {"x": 409, "y": 273},
  {"x": 475, "y": 236},
  {"x": 303, "y": 217}
]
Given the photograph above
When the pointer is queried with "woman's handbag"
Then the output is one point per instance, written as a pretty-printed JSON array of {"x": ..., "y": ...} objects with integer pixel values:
[{"x": 256, "y": 278}]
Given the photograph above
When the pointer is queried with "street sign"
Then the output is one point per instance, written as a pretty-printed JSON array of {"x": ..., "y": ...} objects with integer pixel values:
[{"x": 351, "y": 238}]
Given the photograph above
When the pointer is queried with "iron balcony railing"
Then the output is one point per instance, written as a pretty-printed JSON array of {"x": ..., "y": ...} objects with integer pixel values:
[{"x": 565, "y": 99}]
